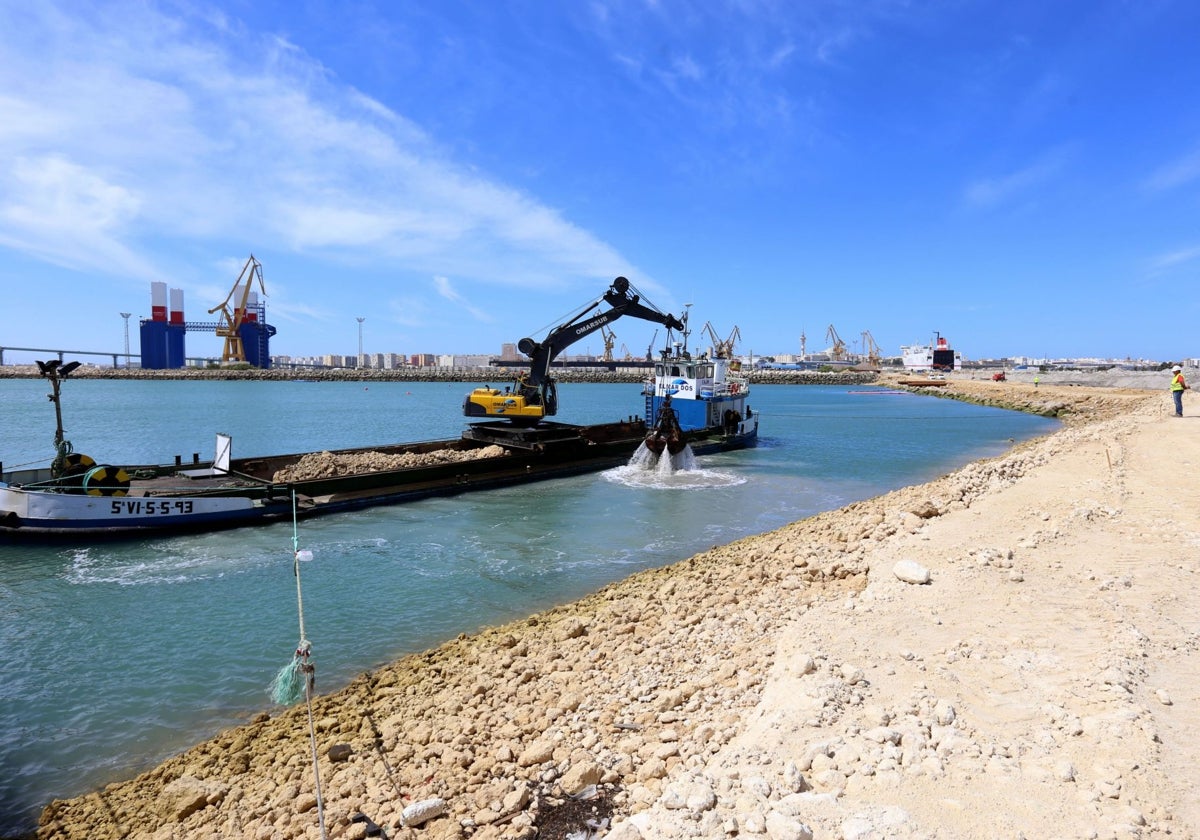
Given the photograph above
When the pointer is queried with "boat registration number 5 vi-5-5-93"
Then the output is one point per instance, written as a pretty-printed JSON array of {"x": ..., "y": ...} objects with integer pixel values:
[{"x": 139, "y": 507}]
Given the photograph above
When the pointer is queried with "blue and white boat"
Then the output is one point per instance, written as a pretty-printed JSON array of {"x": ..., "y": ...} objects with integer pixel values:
[{"x": 690, "y": 401}]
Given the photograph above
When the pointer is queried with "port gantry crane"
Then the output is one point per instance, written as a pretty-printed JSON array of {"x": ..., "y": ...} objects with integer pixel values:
[
  {"x": 650, "y": 347},
  {"x": 230, "y": 323},
  {"x": 871, "y": 349},
  {"x": 837, "y": 349},
  {"x": 610, "y": 340},
  {"x": 722, "y": 348}
]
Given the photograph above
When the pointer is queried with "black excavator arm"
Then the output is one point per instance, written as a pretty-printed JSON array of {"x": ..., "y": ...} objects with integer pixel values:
[{"x": 535, "y": 395}]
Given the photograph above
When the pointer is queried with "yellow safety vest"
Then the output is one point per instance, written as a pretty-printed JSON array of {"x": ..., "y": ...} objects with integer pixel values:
[{"x": 1177, "y": 382}]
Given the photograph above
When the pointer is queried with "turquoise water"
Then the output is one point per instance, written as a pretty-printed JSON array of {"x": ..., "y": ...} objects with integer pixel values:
[{"x": 115, "y": 655}]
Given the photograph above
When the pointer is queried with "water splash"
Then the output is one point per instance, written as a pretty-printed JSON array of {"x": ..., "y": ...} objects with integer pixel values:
[{"x": 680, "y": 471}]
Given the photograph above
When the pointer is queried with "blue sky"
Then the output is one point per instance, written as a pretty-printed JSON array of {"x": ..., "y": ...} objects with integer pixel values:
[{"x": 1022, "y": 177}]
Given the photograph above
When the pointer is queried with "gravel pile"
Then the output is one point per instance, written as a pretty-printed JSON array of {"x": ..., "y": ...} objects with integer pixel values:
[{"x": 329, "y": 465}]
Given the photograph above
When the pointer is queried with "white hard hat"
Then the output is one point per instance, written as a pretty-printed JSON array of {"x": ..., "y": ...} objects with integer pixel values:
[{"x": 1176, "y": 369}]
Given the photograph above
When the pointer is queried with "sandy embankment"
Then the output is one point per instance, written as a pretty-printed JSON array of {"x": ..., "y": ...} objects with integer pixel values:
[{"x": 1044, "y": 683}]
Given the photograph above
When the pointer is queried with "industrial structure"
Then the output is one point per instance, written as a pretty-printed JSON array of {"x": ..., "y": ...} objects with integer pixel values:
[
  {"x": 722, "y": 348},
  {"x": 245, "y": 314},
  {"x": 871, "y": 351},
  {"x": 837, "y": 349},
  {"x": 245, "y": 330}
]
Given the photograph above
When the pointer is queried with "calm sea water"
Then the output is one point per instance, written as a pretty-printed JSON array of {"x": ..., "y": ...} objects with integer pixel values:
[{"x": 115, "y": 655}]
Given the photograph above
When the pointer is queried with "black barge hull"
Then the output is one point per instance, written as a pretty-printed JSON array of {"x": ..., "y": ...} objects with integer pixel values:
[{"x": 172, "y": 499}]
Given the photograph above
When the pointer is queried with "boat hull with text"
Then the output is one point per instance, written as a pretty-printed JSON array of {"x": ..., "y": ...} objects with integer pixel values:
[{"x": 209, "y": 495}]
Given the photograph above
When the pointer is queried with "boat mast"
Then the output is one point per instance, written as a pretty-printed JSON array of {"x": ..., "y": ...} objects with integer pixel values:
[{"x": 56, "y": 372}]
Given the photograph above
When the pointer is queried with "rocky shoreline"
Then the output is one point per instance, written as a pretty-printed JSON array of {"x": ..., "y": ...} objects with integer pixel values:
[
  {"x": 980, "y": 656},
  {"x": 498, "y": 374}
]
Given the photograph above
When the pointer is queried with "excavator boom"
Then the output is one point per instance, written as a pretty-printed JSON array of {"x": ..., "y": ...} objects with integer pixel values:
[{"x": 534, "y": 396}]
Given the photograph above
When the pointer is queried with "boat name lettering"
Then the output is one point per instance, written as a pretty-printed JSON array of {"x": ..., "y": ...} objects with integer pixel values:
[{"x": 139, "y": 507}]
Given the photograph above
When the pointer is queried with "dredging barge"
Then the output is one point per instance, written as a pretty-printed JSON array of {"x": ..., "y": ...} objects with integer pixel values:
[{"x": 699, "y": 403}]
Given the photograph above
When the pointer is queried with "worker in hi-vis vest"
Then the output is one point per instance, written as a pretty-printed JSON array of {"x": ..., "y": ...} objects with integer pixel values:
[{"x": 1178, "y": 386}]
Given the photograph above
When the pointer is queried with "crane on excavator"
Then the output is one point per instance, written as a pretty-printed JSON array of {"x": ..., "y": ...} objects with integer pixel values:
[
  {"x": 535, "y": 395},
  {"x": 230, "y": 322},
  {"x": 837, "y": 347},
  {"x": 722, "y": 348}
]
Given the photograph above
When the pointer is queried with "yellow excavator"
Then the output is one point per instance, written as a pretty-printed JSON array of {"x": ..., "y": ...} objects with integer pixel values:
[{"x": 534, "y": 394}]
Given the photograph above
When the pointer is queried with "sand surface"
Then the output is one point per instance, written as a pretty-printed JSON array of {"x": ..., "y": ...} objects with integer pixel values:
[{"x": 1043, "y": 683}]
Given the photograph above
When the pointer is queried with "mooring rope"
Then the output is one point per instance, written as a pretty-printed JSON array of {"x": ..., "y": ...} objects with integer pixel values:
[{"x": 298, "y": 678}]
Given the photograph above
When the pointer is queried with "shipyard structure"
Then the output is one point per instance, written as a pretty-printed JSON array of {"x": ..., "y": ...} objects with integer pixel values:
[{"x": 242, "y": 322}]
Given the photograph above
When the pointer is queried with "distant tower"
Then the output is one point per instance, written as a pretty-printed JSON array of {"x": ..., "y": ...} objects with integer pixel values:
[
  {"x": 126, "y": 315},
  {"x": 360, "y": 352}
]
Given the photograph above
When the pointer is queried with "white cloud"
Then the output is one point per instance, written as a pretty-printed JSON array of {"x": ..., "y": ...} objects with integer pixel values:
[
  {"x": 67, "y": 214},
  {"x": 442, "y": 284},
  {"x": 993, "y": 191},
  {"x": 1174, "y": 259},
  {"x": 127, "y": 126},
  {"x": 1176, "y": 173}
]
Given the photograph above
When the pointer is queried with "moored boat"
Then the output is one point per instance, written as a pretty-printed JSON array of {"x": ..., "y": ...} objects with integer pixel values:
[
  {"x": 926, "y": 357},
  {"x": 690, "y": 399}
]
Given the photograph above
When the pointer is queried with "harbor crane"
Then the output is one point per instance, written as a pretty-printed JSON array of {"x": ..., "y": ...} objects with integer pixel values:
[
  {"x": 231, "y": 320},
  {"x": 650, "y": 347},
  {"x": 837, "y": 348},
  {"x": 723, "y": 349},
  {"x": 871, "y": 349},
  {"x": 626, "y": 356},
  {"x": 610, "y": 339}
]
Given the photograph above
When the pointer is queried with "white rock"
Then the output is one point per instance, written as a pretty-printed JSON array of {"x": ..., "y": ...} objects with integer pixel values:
[
  {"x": 782, "y": 827},
  {"x": 882, "y": 735},
  {"x": 793, "y": 779},
  {"x": 423, "y": 811},
  {"x": 830, "y": 780},
  {"x": 700, "y": 798},
  {"x": 627, "y": 830},
  {"x": 910, "y": 571},
  {"x": 673, "y": 798},
  {"x": 759, "y": 786},
  {"x": 879, "y": 822},
  {"x": 754, "y": 823}
]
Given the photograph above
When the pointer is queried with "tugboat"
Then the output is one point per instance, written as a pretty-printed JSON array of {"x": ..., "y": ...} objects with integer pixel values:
[{"x": 690, "y": 400}]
